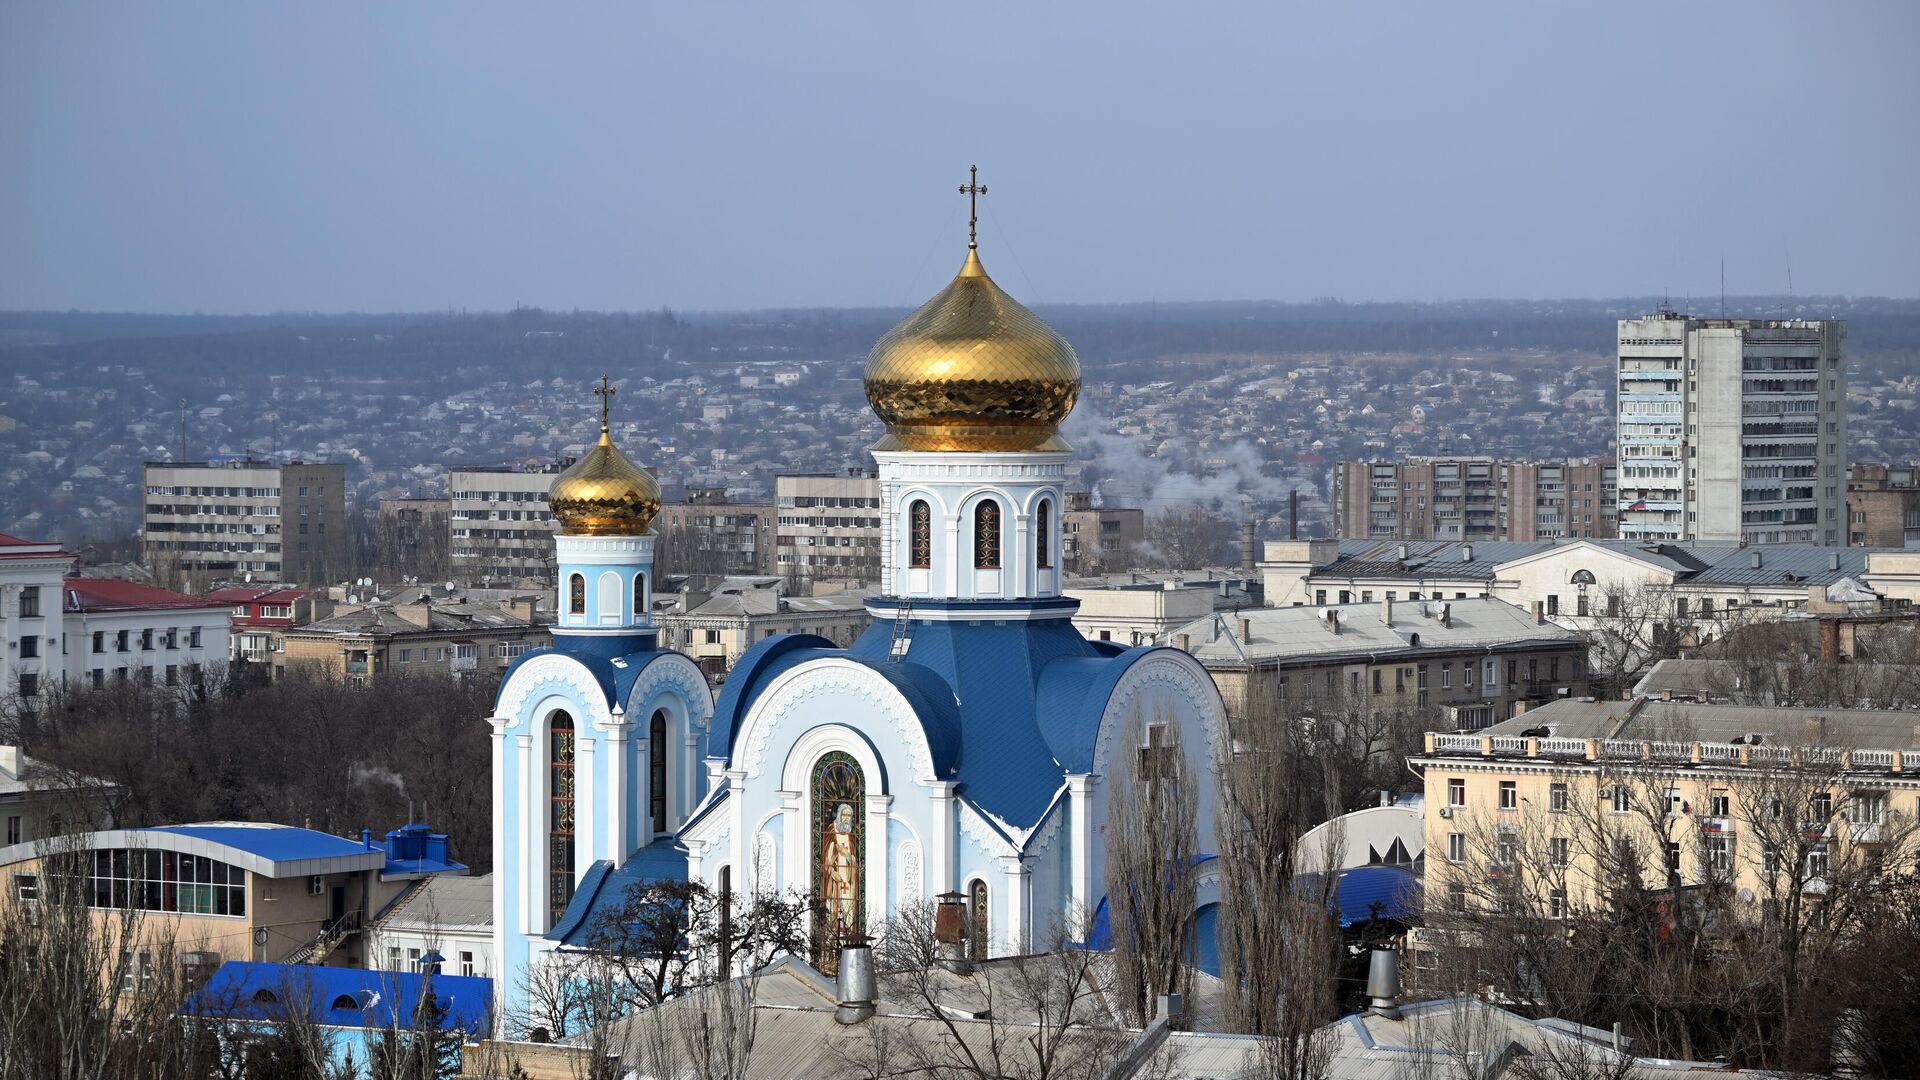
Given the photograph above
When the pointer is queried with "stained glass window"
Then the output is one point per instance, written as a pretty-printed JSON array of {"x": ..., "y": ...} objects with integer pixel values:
[
  {"x": 560, "y": 817},
  {"x": 986, "y": 535},
  {"x": 839, "y": 853},
  {"x": 657, "y": 770},
  {"x": 1043, "y": 534},
  {"x": 920, "y": 534},
  {"x": 577, "y": 595},
  {"x": 977, "y": 920}
]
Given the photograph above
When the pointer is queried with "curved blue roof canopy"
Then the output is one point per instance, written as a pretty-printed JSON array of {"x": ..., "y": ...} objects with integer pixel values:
[
  {"x": 340, "y": 996},
  {"x": 616, "y": 674}
]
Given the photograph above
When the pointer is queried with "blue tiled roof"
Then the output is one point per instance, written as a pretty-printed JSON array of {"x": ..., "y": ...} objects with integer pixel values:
[
  {"x": 1071, "y": 699},
  {"x": 1361, "y": 893},
  {"x": 757, "y": 667},
  {"x": 244, "y": 990},
  {"x": 278, "y": 843},
  {"x": 603, "y": 887}
]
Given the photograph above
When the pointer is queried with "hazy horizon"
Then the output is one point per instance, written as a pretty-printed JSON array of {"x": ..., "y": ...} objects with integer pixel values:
[{"x": 374, "y": 160}]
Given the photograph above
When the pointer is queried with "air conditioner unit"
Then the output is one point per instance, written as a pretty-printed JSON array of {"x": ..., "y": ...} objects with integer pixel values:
[
  {"x": 1606, "y": 793},
  {"x": 1446, "y": 811}
]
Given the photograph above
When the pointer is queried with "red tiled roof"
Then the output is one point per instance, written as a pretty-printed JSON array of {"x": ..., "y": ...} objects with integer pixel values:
[{"x": 105, "y": 594}]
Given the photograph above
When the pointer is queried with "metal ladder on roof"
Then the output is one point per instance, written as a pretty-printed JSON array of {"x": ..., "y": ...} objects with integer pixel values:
[{"x": 902, "y": 632}]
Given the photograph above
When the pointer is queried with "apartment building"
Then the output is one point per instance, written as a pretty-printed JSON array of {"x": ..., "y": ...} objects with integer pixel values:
[
  {"x": 502, "y": 532},
  {"x": 1732, "y": 430},
  {"x": 209, "y": 521},
  {"x": 115, "y": 631},
  {"x": 30, "y": 614},
  {"x": 1883, "y": 506},
  {"x": 1098, "y": 539},
  {"x": 258, "y": 615},
  {"x": 1474, "y": 662},
  {"x": 714, "y": 626},
  {"x": 368, "y": 643},
  {"x": 413, "y": 537},
  {"x": 828, "y": 526},
  {"x": 1543, "y": 811},
  {"x": 708, "y": 534},
  {"x": 1474, "y": 499}
]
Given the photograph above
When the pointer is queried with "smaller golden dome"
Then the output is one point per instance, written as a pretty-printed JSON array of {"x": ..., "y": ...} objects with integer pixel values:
[
  {"x": 604, "y": 494},
  {"x": 972, "y": 370}
]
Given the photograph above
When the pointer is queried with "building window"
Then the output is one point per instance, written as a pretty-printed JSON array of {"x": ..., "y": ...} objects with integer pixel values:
[
  {"x": 1456, "y": 847},
  {"x": 1558, "y": 848},
  {"x": 1557, "y": 904},
  {"x": 29, "y": 647},
  {"x": 576, "y": 594},
  {"x": 14, "y": 832},
  {"x": 1557, "y": 798},
  {"x": 1553, "y": 603},
  {"x": 986, "y": 535},
  {"x": 1622, "y": 798},
  {"x": 1581, "y": 605},
  {"x": 657, "y": 770},
  {"x": 30, "y": 602},
  {"x": 1043, "y": 535},
  {"x": 26, "y": 886},
  {"x": 466, "y": 963},
  {"x": 1456, "y": 896},
  {"x": 1719, "y": 853},
  {"x": 920, "y": 535},
  {"x": 1456, "y": 791},
  {"x": 560, "y": 812},
  {"x": 839, "y": 835},
  {"x": 639, "y": 594},
  {"x": 1721, "y": 803},
  {"x": 136, "y": 970},
  {"x": 1509, "y": 795},
  {"x": 147, "y": 880},
  {"x": 29, "y": 685},
  {"x": 977, "y": 928}
]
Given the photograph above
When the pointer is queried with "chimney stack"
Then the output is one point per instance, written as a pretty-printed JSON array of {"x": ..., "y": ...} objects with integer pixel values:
[
  {"x": 1466, "y": 552},
  {"x": 1833, "y": 560},
  {"x": 1293, "y": 513},
  {"x": 1829, "y": 641},
  {"x": 1386, "y": 611},
  {"x": 1446, "y": 615},
  {"x": 950, "y": 932},
  {"x": 1383, "y": 984},
  {"x": 856, "y": 986},
  {"x": 1333, "y": 619},
  {"x": 1539, "y": 613},
  {"x": 1755, "y": 559},
  {"x": 1246, "y": 542},
  {"x": 1401, "y": 553},
  {"x": 1816, "y": 729},
  {"x": 1184, "y": 642},
  {"x": 1246, "y": 630}
]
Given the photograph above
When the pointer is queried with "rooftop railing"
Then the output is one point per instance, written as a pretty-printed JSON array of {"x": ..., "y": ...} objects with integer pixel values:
[{"x": 1668, "y": 752}]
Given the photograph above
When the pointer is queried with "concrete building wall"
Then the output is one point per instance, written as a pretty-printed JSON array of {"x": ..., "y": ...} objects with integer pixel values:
[
  {"x": 204, "y": 522},
  {"x": 828, "y": 526},
  {"x": 502, "y": 531}
]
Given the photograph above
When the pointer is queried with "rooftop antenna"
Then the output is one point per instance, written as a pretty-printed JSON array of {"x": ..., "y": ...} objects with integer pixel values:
[
  {"x": 1723, "y": 286},
  {"x": 183, "y": 429},
  {"x": 1789, "y": 274}
]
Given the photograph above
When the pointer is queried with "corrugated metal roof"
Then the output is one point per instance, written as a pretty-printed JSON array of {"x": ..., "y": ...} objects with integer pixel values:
[
  {"x": 446, "y": 902},
  {"x": 1645, "y": 718}
]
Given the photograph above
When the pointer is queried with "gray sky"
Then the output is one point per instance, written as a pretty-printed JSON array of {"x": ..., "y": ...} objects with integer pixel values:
[{"x": 256, "y": 157}]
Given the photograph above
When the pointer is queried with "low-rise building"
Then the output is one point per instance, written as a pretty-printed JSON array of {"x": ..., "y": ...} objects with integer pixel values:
[
  {"x": 38, "y": 801},
  {"x": 259, "y": 614},
  {"x": 424, "y": 637},
  {"x": 1544, "y": 811},
  {"x": 120, "y": 630},
  {"x": 715, "y": 626},
  {"x": 1096, "y": 540},
  {"x": 30, "y": 614},
  {"x": 1472, "y": 662},
  {"x": 1140, "y": 613},
  {"x": 449, "y": 915},
  {"x": 232, "y": 890}
]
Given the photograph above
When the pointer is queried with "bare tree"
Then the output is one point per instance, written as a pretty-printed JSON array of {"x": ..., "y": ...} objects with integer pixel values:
[
  {"x": 1151, "y": 882},
  {"x": 1627, "y": 631},
  {"x": 1190, "y": 537}
]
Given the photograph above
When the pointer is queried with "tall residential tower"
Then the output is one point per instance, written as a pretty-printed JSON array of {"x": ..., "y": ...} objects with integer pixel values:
[{"x": 1732, "y": 429}]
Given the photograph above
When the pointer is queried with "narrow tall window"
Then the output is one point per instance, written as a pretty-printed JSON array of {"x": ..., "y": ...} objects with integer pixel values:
[
  {"x": 639, "y": 594},
  {"x": 986, "y": 535},
  {"x": 920, "y": 535},
  {"x": 560, "y": 816},
  {"x": 577, "y": 594},
  {"x": 977, "y": 920},
  {"x": 657, "y": 770},
  {"x": 1043, "y": 535}
]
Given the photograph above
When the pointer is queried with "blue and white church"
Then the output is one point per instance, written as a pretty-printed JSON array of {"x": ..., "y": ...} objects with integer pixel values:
[{"x": 964, "y": 744}]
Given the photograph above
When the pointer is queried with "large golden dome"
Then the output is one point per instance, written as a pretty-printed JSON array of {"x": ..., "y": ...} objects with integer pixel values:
[
  {"x": 604, "y": 494},
  {"x": 972, "y": 370}
]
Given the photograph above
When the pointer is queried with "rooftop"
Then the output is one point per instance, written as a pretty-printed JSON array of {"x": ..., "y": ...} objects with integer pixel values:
[
  {"x": 340, "y": 996},
  {"x": 1306, "y": 633},
  {"x": 94, "y": 595}
]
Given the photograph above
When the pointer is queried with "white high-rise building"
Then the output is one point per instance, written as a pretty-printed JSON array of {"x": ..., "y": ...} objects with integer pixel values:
[{"x": 1732, "y": 429}]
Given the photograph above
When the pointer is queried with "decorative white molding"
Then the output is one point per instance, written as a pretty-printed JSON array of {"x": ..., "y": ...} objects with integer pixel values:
[
  {"x": 673, "y": 671},
  {"x": 1165, "y": 670},
  {"x": 1039, "y": 844},
  {"x": 982, "y": 833},
  {"x": 765, "y": 875},
  {"x": 555, "y": 673},
  {"x": 793, "y": 693},
  {"x": 910, "y": 884}
]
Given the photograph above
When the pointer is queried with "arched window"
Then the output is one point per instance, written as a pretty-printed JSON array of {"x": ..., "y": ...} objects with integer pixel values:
[
  {"x": 919, "y": 535},
  {"x": 345, "y": 1001},
  {"x": 839, "y": 835},
  {"x": 1043, "y": 535},
  {"x": 577, "y": 594},
  {"x": 657, "y": 770},
  {"x": 986, "y": 535},
  {"x": 639, "y": 594},
  {"x": 559, "y": 816},
  {"x": 1583, "y": 577},
  {"x": 977, "y": 920}
]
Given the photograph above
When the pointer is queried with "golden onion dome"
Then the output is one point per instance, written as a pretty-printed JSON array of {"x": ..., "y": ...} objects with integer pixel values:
[
  {"x": 604, "y": 494},
  {"x": 972, "y": 370}
]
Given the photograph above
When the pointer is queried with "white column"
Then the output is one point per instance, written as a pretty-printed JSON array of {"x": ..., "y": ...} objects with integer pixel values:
[
  {"x": 1080, "y": 820},
  {"x": 878, "y": 909},
  {"x": 1017, "y": 560},
  {"x": 793, "y": 842},
  {"x": 680, "y": 784},
  {"x": 940, "y": 845},
  {"x": 619, "y": 843},
  {"x": 533, "y": 842},
  {"x": 737, "y": 809},
  {"x": 586, "y": 830},
  {"x": 955, "y": 557},
  {"x": 1017, "y": 914},
  {"x": 501, "y": 872}
]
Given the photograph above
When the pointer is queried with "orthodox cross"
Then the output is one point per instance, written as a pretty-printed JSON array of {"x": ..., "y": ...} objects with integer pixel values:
[
  {"x": 604, "y": 392},
  {"x": 973, "y": 189}
]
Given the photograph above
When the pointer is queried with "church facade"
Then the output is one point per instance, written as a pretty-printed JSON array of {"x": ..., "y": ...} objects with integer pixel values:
[{"x": 966, "y": 743}]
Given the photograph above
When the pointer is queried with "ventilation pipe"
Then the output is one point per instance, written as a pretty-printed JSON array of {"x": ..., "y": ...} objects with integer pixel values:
[
  {"x": 950, "y": 932},
  {"x": 1466, "y": 552},
  {"x": 1383, "y": 984},
  {"x": 1386, "y": 611},
  {"x": 1246, "y": 630},
  {"x": 856, "y": 986}
]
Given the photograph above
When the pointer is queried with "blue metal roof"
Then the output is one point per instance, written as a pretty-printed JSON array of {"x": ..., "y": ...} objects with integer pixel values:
[
  {"x": 602, "y": 889},
  {"x": 339, "y": 996},
  {"x": 615, "y": 671},
  {"x": 1363, "y": 893},
  {"x": 277, "y": 843},
  {"x": 756, "y": 668}
]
